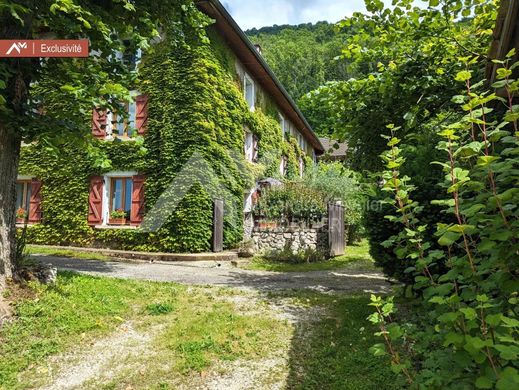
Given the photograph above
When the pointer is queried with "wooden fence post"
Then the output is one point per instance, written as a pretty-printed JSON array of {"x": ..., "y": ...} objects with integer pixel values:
[{"x": 218, "y": 225}]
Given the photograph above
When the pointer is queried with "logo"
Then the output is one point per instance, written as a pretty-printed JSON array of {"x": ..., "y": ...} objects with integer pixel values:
[
  {"x": 18, "y": 46},
  {"x": 13, "y": 48}
]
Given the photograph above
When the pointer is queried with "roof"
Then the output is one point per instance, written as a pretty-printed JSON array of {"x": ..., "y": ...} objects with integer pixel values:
[
  {"x": 505, "y": 35},
  {"x": 334, "y": 149},
  {"x": 258, "y": 68}
]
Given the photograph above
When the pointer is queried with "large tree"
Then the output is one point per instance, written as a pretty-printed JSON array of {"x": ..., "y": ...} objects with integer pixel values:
[
  {"x": 77, "y": 84},
  {"x": 404, "y": 57}
]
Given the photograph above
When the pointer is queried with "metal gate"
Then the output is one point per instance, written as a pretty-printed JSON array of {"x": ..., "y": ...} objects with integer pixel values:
[
  {"x": 218, "y": 225},
  {"x": 336, "y": 229}
]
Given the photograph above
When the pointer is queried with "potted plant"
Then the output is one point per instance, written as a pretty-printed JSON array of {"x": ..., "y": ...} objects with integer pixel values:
[
  {"x": 21, "y": 214},
  {"x": 118, "y": 217},
  {"x": 268, "y": 224}
]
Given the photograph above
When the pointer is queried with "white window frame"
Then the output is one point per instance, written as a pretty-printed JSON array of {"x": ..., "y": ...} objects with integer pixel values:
[
  {"x": 249, "y": 146},
  {"x": 107, "y": 190},
  {"x": 252, "y": 104},
  {"x": 283, "y": 123}
]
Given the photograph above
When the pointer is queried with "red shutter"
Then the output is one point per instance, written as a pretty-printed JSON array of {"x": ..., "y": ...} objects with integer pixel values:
[
  {"x": 99, "y": 123},
  {"x": 137, "y": 211},
  {"x": 141, "y": 116},
  {"x": 95, "y": 201},
  {"x": 35, "y": 202}
]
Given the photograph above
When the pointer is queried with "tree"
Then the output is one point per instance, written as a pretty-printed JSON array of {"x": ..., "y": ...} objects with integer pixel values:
[
  {"x": 402, "y": 58},
  {"x": 78, "y": 85}
]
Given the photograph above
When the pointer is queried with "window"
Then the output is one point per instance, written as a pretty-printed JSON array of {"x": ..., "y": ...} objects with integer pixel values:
[
  {"x": 121, "y": 126},
  {"x": 131, "y": 56},
  {"x": 284, "y": 125},
  {"x": 251, "y": 147},
  {"x": 23, "y": 195},
  {"x": 116, "y": 199},
  {"x": 121, "y": 189},
  {"x": 283, "y": 166},
  {"x": 249, "y": 91},
  {"x": 301, "y": 167}
]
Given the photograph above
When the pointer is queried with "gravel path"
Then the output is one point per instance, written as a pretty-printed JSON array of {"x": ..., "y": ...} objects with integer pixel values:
[{"x": 224, "y": 274}]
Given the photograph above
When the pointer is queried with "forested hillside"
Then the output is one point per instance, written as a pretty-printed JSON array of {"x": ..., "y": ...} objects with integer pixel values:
[{"x": 304, "y": 58}]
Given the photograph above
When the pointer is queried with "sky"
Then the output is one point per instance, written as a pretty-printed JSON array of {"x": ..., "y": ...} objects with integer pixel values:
[{"x": 260, "y": 13}]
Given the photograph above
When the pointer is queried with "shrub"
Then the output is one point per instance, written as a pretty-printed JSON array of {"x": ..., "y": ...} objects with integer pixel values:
[
  {"x": 467, "y": 333},
  {"x": 337, "y": 183},
  {"x": 291, "y": 202}
]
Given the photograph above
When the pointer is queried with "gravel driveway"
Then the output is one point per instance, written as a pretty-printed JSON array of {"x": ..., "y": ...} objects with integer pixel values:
[{"x": 225, "y": 274}]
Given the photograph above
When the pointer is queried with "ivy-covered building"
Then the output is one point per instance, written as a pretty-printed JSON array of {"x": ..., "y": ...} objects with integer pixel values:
[{"x": 208, "y": 119}]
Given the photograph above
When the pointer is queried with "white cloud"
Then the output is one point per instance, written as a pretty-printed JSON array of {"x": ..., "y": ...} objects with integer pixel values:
[{"x": 259, "y": 13}]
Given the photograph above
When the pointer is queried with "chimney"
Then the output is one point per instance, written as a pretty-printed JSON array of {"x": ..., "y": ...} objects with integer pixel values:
[{"x": 258, "y": 48}]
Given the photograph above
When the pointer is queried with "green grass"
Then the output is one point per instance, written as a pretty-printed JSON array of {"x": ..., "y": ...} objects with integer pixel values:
[
  {"x": 199, "y": 329},
  {"x": 333, "y": 352},
  {"x": 356, "y": 256},
  {"x": 33, "y": 250},
  {"x": 193, "y": 329}
]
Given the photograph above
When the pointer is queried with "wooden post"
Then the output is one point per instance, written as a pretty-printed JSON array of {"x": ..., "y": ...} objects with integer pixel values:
[
  {"x": 336, "y": 229},
  {"x": 218, "y": 225}
]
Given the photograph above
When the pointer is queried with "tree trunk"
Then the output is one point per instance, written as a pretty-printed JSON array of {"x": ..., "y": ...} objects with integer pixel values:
[{"x": 10, "y": 143}]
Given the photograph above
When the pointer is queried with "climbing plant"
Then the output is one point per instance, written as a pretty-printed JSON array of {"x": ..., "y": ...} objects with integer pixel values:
[{"x": 193, "y": 146}]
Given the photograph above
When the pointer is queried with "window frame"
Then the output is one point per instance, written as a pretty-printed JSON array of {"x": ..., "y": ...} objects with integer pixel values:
[
  {"x": 112, "y": 124},
  {"x": 107, "y": 194},
  {"x": 252, "y": 104},
  {"x": 26, "y": 193}
]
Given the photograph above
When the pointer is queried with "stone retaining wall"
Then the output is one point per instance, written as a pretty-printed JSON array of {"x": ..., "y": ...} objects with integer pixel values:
[{"x": 296, "y": 239}]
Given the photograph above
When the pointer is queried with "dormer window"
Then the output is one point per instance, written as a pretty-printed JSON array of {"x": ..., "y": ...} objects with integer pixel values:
[
  {"x": 249, "y": 91},
  {"x": 130, "y": 56}
]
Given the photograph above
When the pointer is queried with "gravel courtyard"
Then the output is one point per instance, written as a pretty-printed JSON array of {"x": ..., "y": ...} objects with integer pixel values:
[{"x": 347, "y": 280}]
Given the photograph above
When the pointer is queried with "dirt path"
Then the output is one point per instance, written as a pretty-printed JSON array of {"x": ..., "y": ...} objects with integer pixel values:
[
  {"x": 224, "y": 274},
  {"x": 130, "y": 348}
]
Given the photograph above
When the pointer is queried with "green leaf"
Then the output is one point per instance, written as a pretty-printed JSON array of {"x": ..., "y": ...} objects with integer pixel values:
[
  {"x": 463, "y": 76},
  {"x": 507, "y": 352},
  {"x": 484, "y": 383},
  {"x": 449, "y": 238},
  {"x": 469, "y": 313}
]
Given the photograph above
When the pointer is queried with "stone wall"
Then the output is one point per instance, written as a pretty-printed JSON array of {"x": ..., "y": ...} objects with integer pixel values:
[{"x": 297, "y": 239}]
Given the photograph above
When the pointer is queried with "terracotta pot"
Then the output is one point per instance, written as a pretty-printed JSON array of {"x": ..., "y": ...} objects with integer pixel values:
[
  {"x": 268, "y": 225},
  {"x": 117, "y": 221}
]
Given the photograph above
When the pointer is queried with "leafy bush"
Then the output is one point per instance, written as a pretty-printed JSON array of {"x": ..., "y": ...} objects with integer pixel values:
[
  {"x": 336, "y": 182},
  {"x": 467, "y": 333},
  {"x": 291, "y": 202}
]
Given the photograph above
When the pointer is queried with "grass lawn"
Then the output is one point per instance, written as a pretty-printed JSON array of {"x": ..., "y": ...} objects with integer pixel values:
[
  {"x": 192, "y": 331},
  {"x": 356, "y": 256},
  {"x": 33, "y": 250}
]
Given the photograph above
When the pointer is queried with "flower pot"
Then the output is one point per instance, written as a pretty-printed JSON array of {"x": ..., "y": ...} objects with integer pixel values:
[
  {"x": 117, "y": 221},
  {"x": 268, "y": 225}
]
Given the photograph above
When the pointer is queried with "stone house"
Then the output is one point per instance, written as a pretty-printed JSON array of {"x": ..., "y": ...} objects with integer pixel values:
[{"x": 67, "y": 199}]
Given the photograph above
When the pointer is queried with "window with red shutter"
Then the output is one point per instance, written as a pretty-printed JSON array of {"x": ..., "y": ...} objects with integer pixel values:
[
  {"x": 95, "y": 201},
  {"x": 137, "y": 210},
  {"x": 35, "y": 202},
  {"x": 99, "y": 123},
  {"x": 141, "y": 116}
]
